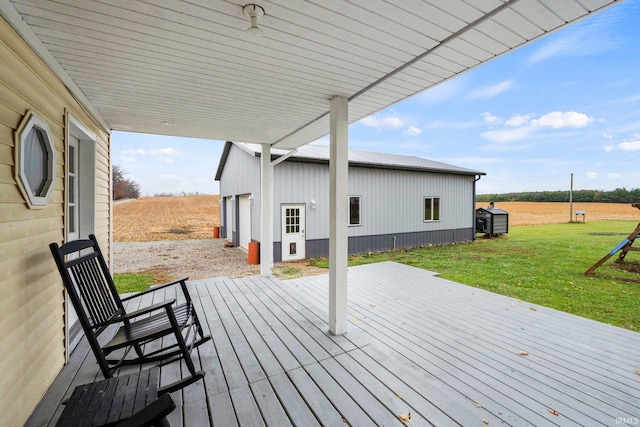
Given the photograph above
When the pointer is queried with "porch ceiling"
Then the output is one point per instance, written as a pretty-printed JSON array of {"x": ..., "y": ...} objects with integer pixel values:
[{"x": 188, "y": 68}]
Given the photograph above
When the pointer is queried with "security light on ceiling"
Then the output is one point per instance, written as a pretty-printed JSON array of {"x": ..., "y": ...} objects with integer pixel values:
[{"x": 253, "y": 12}]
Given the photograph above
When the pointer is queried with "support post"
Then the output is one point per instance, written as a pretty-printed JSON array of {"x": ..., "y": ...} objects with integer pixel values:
[
  {"x": 338, "y": 209},
  {"x": 266, "y": 211}
]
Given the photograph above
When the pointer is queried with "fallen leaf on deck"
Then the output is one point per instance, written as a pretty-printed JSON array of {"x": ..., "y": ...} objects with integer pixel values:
[
  {"x": 524, "y": 353},
  {"x": 637, "y": 371},
  {"x": 533, "y": 309},
  {"x": 553, "y": 412},
  {"x": 398, "y": 396},
  {"x": 486, "y": 422},
  {"x": 372, "y": 305},
  {"x": 477, "y": 405},
  {"x": 356, "y": 319},
  {"x": 405, "y": 418},
  {"x": 513, "y": 305}
]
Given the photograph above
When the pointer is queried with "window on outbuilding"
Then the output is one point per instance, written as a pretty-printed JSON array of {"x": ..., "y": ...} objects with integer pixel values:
[
  {"x": 354, "y": 210},
  {"x": 35, "y": 160},
  {"x": 432, "y": 209}
]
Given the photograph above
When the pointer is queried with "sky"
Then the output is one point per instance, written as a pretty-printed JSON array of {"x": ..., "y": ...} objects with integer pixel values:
[{"x": 568, "y": 103}]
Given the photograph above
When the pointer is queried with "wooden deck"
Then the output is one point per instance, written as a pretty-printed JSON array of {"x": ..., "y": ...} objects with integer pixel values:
[{"x": 446, "y": 353}]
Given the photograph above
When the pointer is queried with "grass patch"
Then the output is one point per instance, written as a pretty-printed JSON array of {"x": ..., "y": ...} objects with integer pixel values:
[
  {"x": 543, "y": 265},
  {"x": 128, "y": 283},
  {"x": 138, "y": 282},
  {"x": 285, "y": 272}
]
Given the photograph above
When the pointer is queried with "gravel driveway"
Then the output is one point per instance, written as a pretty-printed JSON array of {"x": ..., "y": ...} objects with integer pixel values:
[{"x": 198, "y": 259}]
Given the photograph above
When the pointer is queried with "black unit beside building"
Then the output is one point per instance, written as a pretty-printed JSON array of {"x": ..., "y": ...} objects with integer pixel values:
[{"x": 492, "y": 221}]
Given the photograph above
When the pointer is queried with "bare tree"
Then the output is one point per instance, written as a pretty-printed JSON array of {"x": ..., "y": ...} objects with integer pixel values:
[{"x": 123, "y": 187}]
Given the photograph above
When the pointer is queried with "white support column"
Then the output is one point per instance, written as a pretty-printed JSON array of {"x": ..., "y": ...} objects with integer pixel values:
[
  {"x": 266, "y": 211},
  {"x": 338, "y": 209}
]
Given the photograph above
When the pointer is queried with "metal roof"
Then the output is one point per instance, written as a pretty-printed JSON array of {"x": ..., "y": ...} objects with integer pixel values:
[
  {"x": 316, "y": 153},
  {"x": 188, "y": 68}
]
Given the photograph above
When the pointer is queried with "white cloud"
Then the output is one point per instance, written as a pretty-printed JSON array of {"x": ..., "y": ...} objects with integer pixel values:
[
  {"x": 413, "y": 131},
  {"x": 474, "y": 160},
  {"x": 607, "y": 136},
  {"x": 589, "y": 38},
  {"x": 382, "y": 122},
  {"x": 127, "y": 159},
  {"x": 518, "y": 120},
  {"x": 490, "y": 118},
  {"x": 562, "y": 119},
  {"x": 443, "y": 124},
  {"x": 614, "y": 175},
  {"x": 154, "y": 153},
  {"x": 608, "y": 148},
  {"x": 629, "y": 146},
  {"x": 591, "y": 175},
  {"x": 134, "y": 152},
  {"x": 508, "y": 135},
  {"x": 165, "y": 152},
  {"x": 444, "y": 91},
  {"x": 490, "y": 91}
]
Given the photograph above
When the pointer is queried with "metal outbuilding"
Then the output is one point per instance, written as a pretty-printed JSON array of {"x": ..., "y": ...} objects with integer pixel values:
[{"x": 394, "y": 201}]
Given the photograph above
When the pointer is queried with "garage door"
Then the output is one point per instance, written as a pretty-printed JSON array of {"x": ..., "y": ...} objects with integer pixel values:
[
  {"x": 229, "y": 221},
  {"x": 244, "y": 221}
]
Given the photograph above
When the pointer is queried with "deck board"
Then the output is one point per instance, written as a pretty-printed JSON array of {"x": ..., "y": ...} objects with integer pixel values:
[{"x": 447, "y": 353}]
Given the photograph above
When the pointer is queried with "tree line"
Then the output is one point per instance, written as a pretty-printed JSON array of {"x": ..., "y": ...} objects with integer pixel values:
[
  {"x": 619, "y": 195},
  {"x": 123, "y": 187}
]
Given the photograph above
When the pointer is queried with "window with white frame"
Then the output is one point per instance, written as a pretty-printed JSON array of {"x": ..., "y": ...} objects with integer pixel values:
[
  {"x": 354, "y": 210},
  {"x": 35, "y": 160},
  {"x": 432, "y": 209}
]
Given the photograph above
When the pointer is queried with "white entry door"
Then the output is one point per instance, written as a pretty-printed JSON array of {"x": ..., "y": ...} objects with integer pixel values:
[
  {"x": 293, "y": 240},
  {"x": 80, "y": 189}
]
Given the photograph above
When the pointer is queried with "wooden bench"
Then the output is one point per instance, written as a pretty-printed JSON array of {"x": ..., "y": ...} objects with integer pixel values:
[{"x": 129, "y": 400}]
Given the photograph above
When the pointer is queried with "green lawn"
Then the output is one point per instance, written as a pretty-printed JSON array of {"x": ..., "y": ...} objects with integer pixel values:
[
  {"x": 127, "y": 283},
  {"x": 543, "y": 265}
]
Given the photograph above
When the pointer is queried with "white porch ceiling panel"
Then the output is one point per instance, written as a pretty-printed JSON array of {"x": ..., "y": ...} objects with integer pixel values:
[{"x": 188, "y": 68}]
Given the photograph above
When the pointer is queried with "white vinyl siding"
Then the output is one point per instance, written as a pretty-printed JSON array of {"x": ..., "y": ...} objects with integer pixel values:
[{"x": 32, "y": 314}]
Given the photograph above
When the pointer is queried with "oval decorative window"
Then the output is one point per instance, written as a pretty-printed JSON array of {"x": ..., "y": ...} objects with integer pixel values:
[{"x": 35, "y": 160}]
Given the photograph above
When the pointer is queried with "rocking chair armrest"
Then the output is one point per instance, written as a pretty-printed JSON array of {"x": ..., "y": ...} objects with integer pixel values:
[
  {"x": 156, "y": 288},
  {"x": 127, "y": 316}
]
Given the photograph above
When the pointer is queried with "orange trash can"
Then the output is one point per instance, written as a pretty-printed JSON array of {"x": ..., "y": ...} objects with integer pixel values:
[
  {"x": 216, "y": 232},
  {"x": 254, "y": 253}
]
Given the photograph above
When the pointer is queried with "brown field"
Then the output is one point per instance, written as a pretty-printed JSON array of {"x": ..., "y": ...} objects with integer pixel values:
[
  {"x": 193, "y": 217},
  {"x": 534, "y": 213},
  {"x": 166, "y": 218}
]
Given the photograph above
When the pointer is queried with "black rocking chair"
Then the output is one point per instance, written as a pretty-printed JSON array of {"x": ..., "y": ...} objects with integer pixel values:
[{"x": 94, "y": 296}]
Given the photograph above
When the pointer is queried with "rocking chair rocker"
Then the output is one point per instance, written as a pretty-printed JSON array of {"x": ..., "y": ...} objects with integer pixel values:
[{"x": 94, "y": 296}]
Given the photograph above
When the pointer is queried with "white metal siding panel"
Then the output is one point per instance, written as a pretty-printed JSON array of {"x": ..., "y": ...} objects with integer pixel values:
[
  {"x": 392, "y": 200},
  {"x": 296, "y": 182},
  {"x": 31, "y": 296},
  {"x": 241, "y": 175}
]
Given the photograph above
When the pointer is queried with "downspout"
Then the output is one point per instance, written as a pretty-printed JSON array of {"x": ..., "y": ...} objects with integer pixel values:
[{"x": 474, "y": 205}]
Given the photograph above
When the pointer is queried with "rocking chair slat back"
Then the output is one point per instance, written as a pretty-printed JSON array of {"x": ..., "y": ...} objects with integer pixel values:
[{"x": 93, "y": 288}]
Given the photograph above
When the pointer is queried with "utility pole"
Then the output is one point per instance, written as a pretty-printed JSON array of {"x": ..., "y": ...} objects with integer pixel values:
[{"x": 571, "y": 200}]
